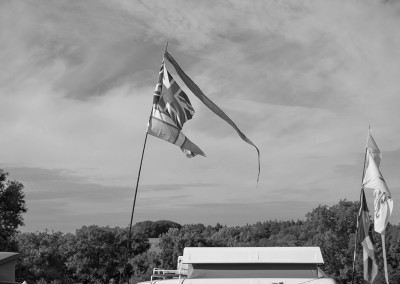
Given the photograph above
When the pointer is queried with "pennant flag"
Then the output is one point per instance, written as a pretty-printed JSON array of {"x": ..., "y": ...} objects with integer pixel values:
[
  {"x": 364, "y": 236},
  {"x": 374, "y": 150},
  {"x": 213, "y": 107},
  {"x": 373, "y": 179},
  {"x": 171, "y": 109}
]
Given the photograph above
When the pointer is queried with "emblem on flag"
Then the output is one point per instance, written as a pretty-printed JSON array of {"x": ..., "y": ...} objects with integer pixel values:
[{"x": 373, "y": 179}]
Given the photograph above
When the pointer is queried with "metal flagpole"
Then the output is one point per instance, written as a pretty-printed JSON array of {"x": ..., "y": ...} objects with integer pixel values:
[{"x": 356, "y": 233}]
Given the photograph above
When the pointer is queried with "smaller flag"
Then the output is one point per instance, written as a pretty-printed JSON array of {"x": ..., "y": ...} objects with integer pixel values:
[
  {"x": 373, "y": 179},
  {"x": 171, "y": 109},
  {"x": 365, "y": 237}
]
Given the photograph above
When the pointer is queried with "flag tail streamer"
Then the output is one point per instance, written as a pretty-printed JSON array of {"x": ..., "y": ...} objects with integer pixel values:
[{"x": 213, "y": 107}]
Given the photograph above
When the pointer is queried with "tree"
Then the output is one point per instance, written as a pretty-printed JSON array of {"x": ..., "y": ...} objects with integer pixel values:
[
  {"x": 393, "y": 252},
  {"x": 152, "y": 229},
  {"x": 175, "y": 240},
  {"x": 12, "y": 206},
  {"x": 44, "y": 256},
  {"x": 332, "y": 229},
  {"x": 98, "y": 253}
]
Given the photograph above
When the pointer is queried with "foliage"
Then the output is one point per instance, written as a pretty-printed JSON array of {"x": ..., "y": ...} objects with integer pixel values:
[
  {"x": 43, "y": 256},
  {"x": 152, "y": 229},
  {"x": 333, "y": 229},
  {"x": 330, "y": 228},
  {"x": 143, "y": 265},
  {"x": 12, "y": 206},
  {"x": 175, "y": 240},
  {"x": 96, "y": 254}
]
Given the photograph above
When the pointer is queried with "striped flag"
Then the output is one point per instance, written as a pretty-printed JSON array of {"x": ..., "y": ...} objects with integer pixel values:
[
  {"x": 171, "y": 109},
  {"x": 364, "y": 236},
  {"x": 373, "y": 179}
]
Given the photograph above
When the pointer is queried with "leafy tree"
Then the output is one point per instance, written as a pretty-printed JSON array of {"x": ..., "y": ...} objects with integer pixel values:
[
  {"x": 12, "y": 206},
  {"x": 175, "y": 240},
  {"x": 393, "y": 252},
  {"x": 333, "y": 230},
  {"x": 43, "y": 256},
  {"x": 98, "y": 253}
]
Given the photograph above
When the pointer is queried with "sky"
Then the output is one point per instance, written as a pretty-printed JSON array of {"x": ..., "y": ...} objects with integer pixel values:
[{"x": 302, "y": 79}]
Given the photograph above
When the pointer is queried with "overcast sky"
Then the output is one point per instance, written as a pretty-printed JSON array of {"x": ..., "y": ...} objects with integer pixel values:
[{"x": 302, "y": 79}]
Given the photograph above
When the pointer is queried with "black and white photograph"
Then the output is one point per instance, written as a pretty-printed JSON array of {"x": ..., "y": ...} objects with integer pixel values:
[{"x": 200, "y": 141}]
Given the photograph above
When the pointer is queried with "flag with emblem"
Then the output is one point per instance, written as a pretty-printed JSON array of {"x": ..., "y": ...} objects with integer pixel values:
[
  {"x": 364, "y": 236},
  {"x": 373, "y": 179},
  {"x": 171, "y": 109}
]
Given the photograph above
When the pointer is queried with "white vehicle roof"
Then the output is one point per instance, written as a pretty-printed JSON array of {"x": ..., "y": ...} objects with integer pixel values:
[
  {"x": 252, "y": 255},
  {"x": 245, "y": 265}
]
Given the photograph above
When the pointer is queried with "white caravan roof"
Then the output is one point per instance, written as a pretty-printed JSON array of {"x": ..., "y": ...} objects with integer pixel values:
[{"x": 311, "y": 255}]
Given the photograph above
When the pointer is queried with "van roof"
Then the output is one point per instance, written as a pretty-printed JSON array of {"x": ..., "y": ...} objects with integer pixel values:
[{"x": 252, "y": 255}]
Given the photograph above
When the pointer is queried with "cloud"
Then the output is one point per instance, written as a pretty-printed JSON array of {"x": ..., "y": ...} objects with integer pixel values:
[{"x": 95, "y": 45}]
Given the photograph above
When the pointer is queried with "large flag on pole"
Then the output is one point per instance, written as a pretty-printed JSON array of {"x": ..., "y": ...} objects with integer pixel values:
[
  {"x": 364, "y": 236},
  {"x": 171, "y": 109},
  {"x": 373, "y": 179},
  {"x": 213, "y": 107}
]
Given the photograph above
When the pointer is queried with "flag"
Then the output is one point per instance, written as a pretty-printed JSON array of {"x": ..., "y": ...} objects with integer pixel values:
[
  {"x": 364, "y": 236},
  {"x": 373, "y": 179},
  {"x": 374, "y": 150},
  {"x": 171, "y": 109},
  {"x": 213, "y": 107}
]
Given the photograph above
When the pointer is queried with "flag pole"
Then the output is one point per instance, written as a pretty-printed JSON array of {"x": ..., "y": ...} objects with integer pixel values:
[
  {"x": 356, "y": 233},
  {"x": 133, "y": 205},
  {"x": 383, "y": 235},
  {"x": 137, "y": 185},
  {"x": 384, "y": 256}
]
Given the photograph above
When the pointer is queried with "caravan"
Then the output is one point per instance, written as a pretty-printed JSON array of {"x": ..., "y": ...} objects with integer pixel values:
[{"x": 250, "y": 265}]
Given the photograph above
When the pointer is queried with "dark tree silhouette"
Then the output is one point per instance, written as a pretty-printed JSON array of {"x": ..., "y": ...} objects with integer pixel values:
[{"x": 12, "y": 207}]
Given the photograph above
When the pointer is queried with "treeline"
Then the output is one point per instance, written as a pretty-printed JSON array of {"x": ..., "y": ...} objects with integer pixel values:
[
  {"x": 92, "y": 255},
  {"x": 96, "y": 254}
]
